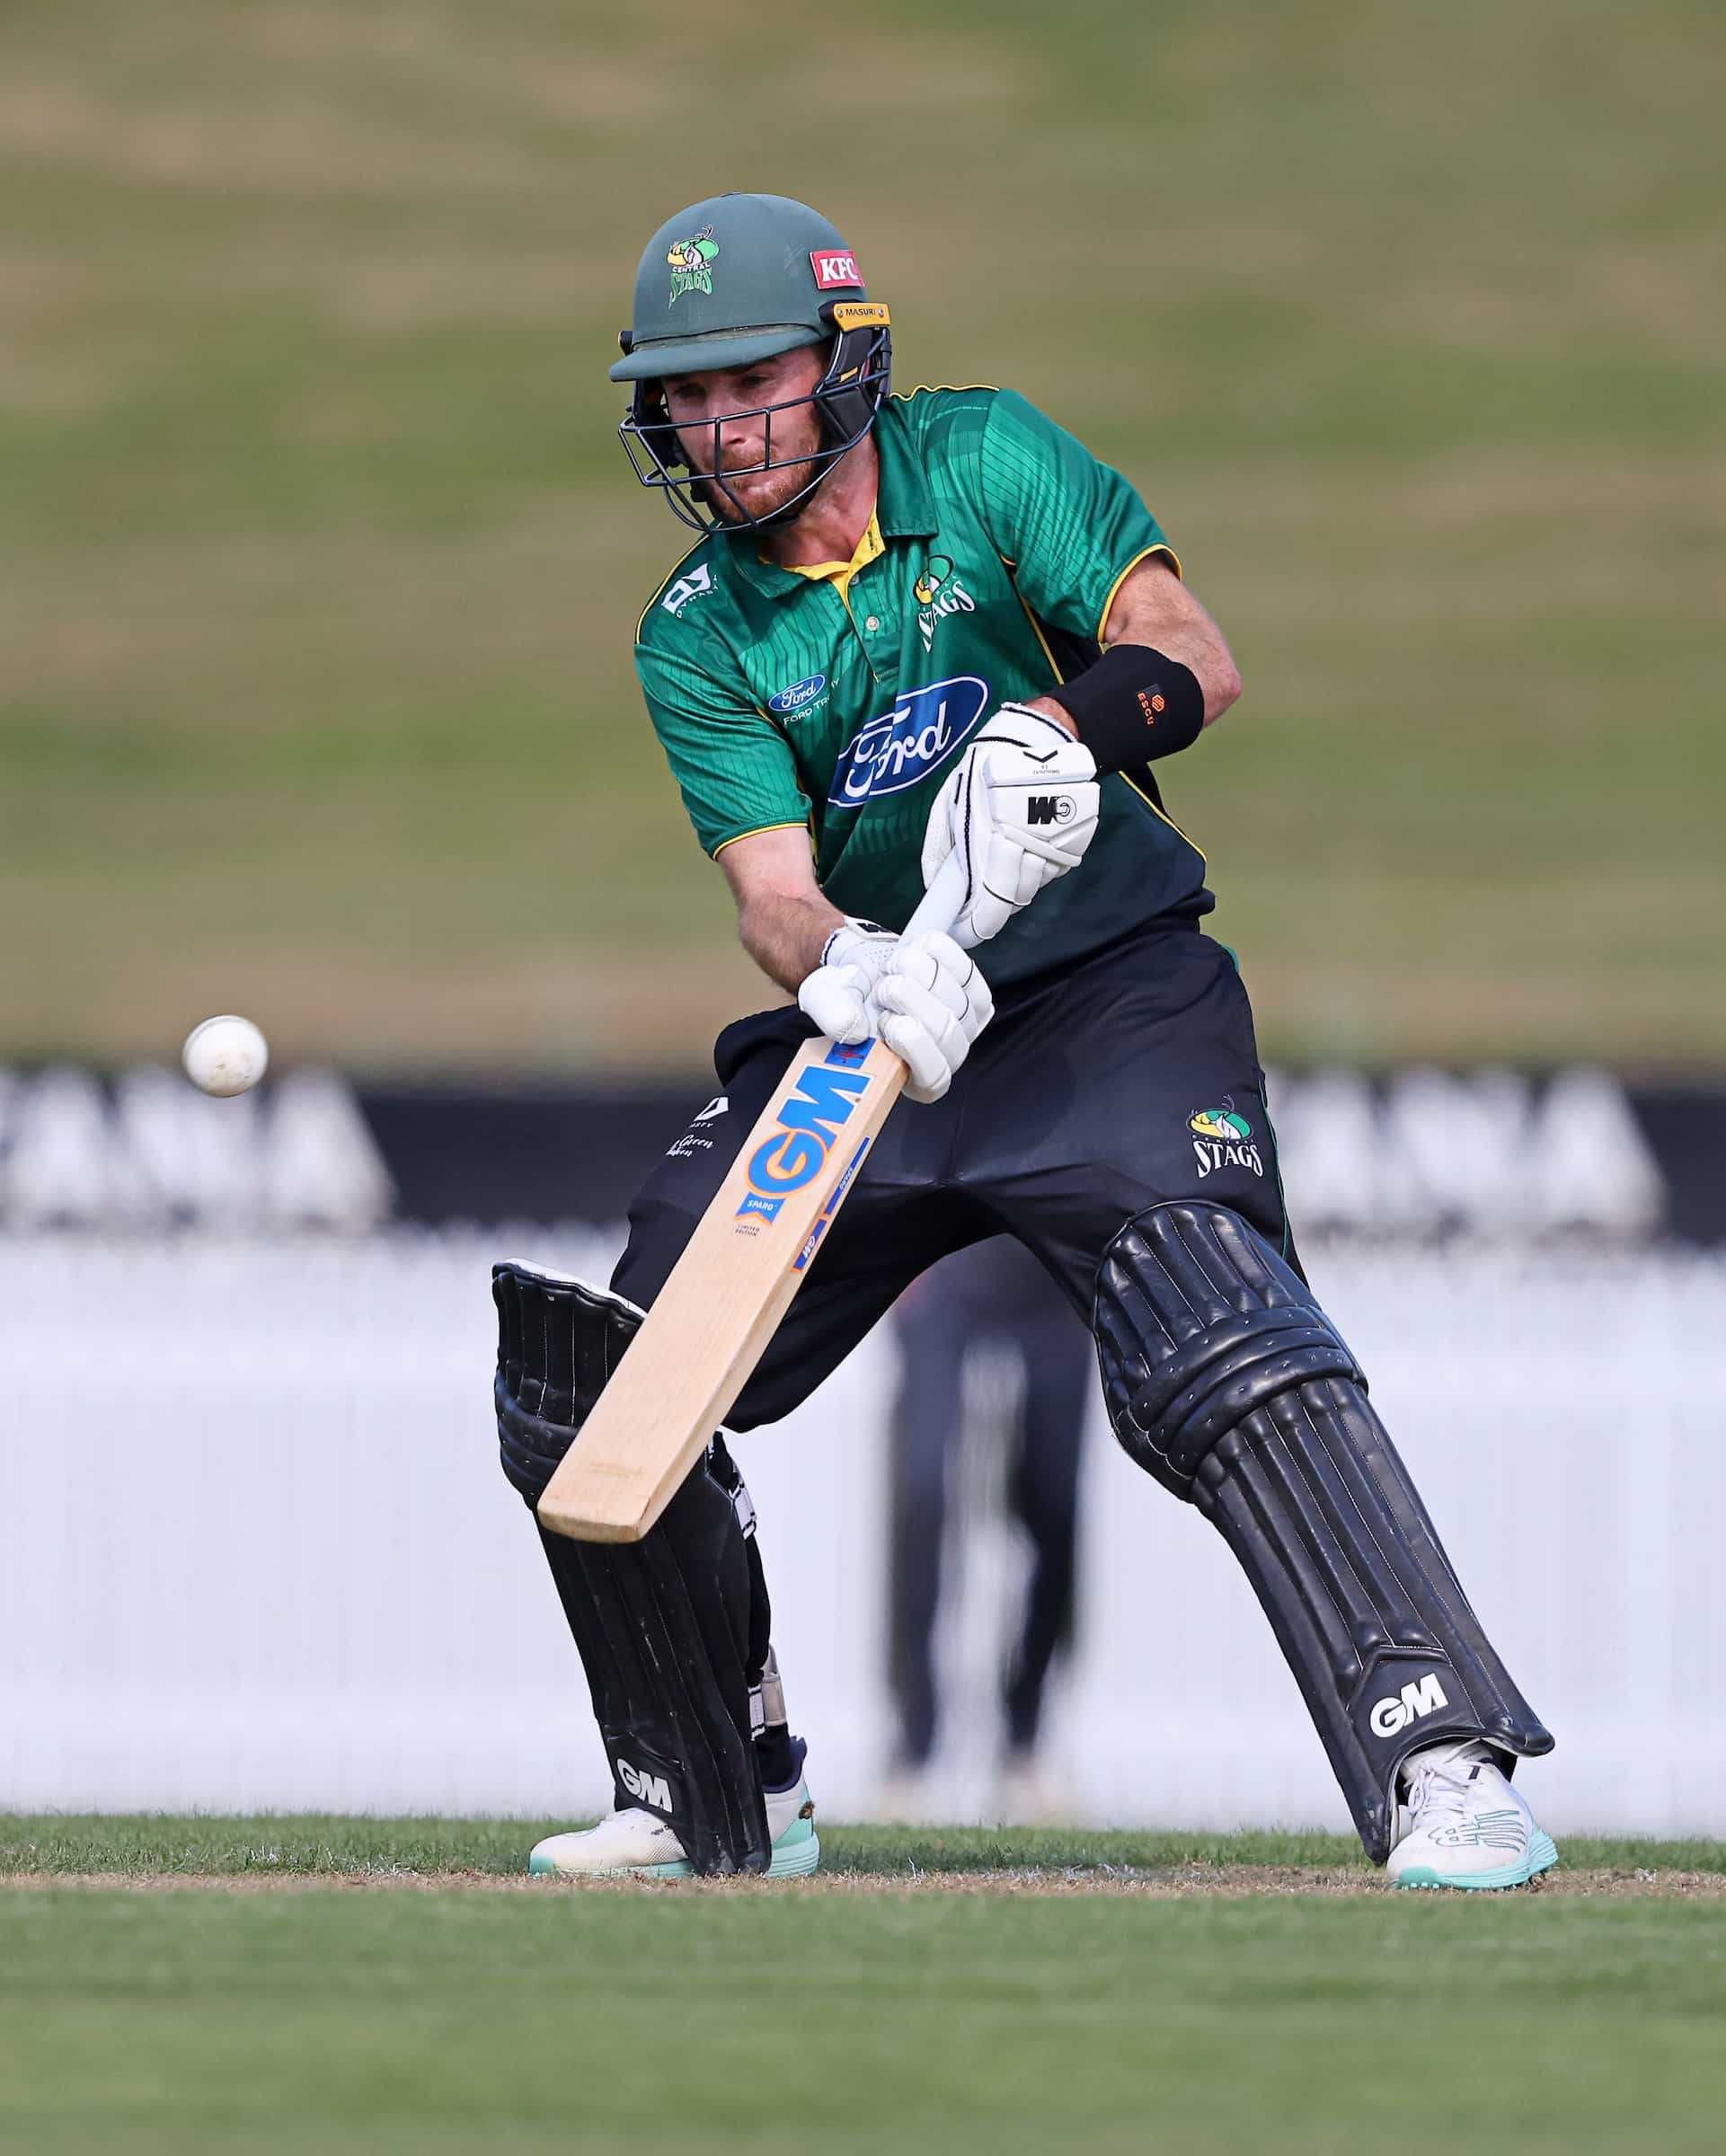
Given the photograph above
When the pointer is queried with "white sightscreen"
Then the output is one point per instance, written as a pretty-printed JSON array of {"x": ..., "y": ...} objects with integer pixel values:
[{"x": 255, "y": 1549}]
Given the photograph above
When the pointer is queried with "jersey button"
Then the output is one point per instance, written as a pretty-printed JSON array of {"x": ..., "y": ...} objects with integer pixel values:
[{"x": 872, "y": 623}]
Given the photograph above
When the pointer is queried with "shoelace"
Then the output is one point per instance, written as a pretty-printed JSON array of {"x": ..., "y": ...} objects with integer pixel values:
[{"x": 1438, "y": 1793}]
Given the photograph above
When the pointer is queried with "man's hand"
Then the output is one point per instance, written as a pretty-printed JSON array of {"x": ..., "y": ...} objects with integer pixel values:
[
  {"x": 836, "y": 995},
  {"x": 1020, "y": 807},
  {"x": 921, "y": 996},
  {"x": 930, "y": 1004}
]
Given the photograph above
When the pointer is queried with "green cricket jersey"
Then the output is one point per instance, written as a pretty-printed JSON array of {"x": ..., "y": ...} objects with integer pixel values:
[{"x": 838, "y": 699}]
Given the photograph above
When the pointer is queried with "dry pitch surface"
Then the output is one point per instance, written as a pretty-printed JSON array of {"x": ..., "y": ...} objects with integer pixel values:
[
  {"x": 158, "y": 1853},
  {"x": 1181, "y": 1883},
  {"x": 154, "y": 1851}
]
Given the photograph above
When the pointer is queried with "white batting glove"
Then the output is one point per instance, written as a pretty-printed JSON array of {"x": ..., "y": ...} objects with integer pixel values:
[
  {"x": 929, "y": 1005},
  {"x": 1020, "y": 807},
  {"x": 835, "y": 994}
]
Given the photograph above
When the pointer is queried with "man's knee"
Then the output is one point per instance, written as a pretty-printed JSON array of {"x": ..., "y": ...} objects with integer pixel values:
[
  {"x": 1198, "y": 1322},
  {"x": 558, "y": 1343}
]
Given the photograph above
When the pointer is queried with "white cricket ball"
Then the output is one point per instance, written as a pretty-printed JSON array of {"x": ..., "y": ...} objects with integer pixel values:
[{"x": 226, "y": 1055}]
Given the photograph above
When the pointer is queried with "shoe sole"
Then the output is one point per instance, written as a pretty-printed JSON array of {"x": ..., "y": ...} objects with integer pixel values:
[
  {"x": 794, "y": 1856},
  {"x": 1540, "y": 1857}
]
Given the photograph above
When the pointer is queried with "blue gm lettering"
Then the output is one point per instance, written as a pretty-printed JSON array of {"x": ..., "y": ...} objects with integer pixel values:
[
  {"x": 804, "y": 1131},
  {"x": 800, "y": 692},
  {"x": 905, "y": 745}
]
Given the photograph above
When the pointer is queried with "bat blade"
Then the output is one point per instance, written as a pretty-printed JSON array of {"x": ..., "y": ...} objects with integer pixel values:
[
  {"x": 721, "y": 1304},
  {"x": 750, "y": 1254}
]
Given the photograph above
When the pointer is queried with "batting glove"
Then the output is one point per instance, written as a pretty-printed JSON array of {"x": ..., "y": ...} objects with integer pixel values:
[
  {"x": 930, "y": 1004},
  {"x": 1020, "y": 808},
  {"x": 835, "y": 994}
]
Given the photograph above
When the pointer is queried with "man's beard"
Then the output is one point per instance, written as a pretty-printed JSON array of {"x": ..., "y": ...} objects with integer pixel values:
[{"x": 797, "y": 486}]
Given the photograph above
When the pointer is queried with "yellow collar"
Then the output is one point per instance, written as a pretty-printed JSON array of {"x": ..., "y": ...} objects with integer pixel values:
[{"x": 840, "y": 573}]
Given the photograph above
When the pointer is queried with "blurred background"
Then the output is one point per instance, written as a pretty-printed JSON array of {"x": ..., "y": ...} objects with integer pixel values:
[{"x": 318, "y": 566}]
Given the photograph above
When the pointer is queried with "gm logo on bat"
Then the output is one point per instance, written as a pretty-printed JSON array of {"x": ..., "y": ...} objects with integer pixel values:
[{"x": 805, "y": 1128}]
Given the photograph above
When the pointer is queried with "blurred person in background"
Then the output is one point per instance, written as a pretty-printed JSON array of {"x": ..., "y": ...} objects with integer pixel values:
[{"x": 993, "y": 1297}]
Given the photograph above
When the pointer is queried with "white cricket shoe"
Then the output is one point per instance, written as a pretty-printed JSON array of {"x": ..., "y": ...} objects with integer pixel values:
[
  {"x": 1468, "y": 1825},
  {"x": 637, "y": 1843}
]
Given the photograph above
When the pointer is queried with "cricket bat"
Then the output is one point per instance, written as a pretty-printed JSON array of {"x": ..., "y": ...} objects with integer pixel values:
[{"x": 750, "y": 1254}]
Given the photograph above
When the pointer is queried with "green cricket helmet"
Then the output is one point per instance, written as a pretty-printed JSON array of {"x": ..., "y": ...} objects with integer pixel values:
[{"x": 732, "y": 280}]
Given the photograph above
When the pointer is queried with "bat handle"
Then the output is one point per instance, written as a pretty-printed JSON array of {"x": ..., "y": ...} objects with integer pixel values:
[{"x": 940, "y": 905}]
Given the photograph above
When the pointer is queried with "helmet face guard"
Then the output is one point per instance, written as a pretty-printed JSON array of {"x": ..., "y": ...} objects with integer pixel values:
[{"x": 848, "y": 398}]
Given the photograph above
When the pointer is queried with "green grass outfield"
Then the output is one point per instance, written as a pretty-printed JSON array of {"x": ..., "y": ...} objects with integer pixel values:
[
  {"x": 273, "y": 1984},
  {"x": 319, "y": 558}
]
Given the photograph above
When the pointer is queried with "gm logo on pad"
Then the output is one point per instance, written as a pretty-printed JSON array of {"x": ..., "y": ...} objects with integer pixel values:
[{"x": 905, "y": 745}]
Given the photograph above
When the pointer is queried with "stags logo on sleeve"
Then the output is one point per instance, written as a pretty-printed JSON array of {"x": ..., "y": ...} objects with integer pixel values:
[{"x": 835, "y": 270}]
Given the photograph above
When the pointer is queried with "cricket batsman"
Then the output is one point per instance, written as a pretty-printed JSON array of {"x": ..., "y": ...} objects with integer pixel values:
[{"x": 914, "y": 625}]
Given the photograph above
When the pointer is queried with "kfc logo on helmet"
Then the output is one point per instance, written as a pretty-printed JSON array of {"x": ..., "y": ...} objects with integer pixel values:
[{"x": 832, "y": 272}]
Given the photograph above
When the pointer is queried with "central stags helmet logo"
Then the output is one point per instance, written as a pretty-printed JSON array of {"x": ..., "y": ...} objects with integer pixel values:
[{"x": 691, "y": 263}]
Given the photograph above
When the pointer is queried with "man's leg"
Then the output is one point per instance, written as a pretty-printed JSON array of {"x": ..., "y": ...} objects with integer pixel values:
[
  {"x": 926, "y": 1421},
  {"x": 673, "y": 1631},
  {"x": 663, "y": 1626},
  {"x": 1043, "y": 1489},
  {"x": 1151, "y": 1191},
  {"x": 1226, "y": 1382}
]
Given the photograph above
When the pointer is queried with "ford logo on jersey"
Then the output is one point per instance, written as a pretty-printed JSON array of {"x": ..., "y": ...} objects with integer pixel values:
[
  {"x": 800, "y": 692},
  {"x": 908, "y": 743}
]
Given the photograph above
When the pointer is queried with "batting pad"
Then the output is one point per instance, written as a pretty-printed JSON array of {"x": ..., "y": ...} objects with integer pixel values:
[
  {"x": 1226, "y": 1382},
  {"x": 662, "y": 1625}
]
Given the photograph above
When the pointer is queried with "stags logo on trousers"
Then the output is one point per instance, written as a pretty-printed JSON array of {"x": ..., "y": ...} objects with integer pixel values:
[
  {"x": 1222, "y": 1138},
  {"x": 905, "y": 744},
  {"x": 804, "y": 1131}
]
